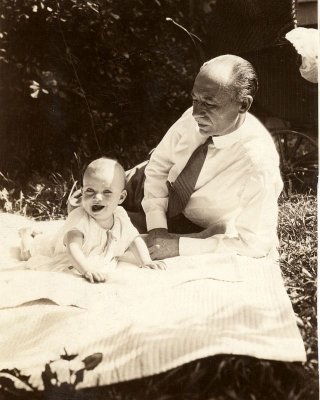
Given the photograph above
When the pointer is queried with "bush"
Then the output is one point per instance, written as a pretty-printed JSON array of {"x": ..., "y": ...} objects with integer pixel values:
[{"x": 88, "y": 77}]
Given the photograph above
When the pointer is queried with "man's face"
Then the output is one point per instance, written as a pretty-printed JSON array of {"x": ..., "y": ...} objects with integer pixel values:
[
  {"x": 213, "y": 107},
  {"x": 102, "y": 192}
]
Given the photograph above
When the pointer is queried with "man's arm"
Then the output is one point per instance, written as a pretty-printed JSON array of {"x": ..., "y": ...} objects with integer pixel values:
[
  {"x": 256, "y": 226},
  {"x": 155, "y": 201},
  {"x": 164, "y": 156},
  {"x": 164, "y": 245}
]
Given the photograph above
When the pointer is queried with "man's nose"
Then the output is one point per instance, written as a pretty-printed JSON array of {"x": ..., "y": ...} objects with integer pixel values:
[{"x": 197, "y": 110}]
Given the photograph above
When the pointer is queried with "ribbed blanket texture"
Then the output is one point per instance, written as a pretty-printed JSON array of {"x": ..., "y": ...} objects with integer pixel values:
[{"x": 144, "y": 322}]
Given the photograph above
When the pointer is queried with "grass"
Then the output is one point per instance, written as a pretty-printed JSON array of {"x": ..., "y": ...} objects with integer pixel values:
[
  {"x": 221, "y": 377},
  {"x": 298, "y": 261}
]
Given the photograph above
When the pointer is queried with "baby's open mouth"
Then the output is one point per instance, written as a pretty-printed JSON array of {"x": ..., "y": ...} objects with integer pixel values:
[{"x": 97, "y": 207}]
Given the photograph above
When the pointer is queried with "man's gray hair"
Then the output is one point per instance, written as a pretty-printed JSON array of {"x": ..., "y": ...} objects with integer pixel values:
[{"x": 244, "y": 79}]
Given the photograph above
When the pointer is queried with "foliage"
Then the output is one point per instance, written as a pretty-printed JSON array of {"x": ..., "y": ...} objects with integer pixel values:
[
  {"x": 298, "y": 260},
  {"x": 222, "y": 377},
  {"x": 60, "y": 378},
  {"x": 88, "y": 77},
  {"x": 39, "y": 198}
]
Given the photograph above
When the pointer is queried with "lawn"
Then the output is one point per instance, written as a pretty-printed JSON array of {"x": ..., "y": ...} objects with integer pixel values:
[{"x": 222, "y": 377}]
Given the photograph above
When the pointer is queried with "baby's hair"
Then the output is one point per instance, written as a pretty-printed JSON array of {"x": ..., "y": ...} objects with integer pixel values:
[{"x": 99, "y": 164}]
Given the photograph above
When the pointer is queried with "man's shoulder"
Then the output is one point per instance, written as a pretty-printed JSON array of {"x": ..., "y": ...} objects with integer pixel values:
[
  {"x": 185, "y": 123},
  {"x": 258, "y": 144},
  {"x": 184, "y": 131},
  {"x": 254, "y": 126},
  {"x": 187, "y": 113}
]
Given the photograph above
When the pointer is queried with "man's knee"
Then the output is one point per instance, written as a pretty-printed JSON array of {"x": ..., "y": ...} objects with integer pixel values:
[
  {"x": 135, "y": 189},
  {"x": 138, "y": 219},
  {"x": 180, "y": 224}
]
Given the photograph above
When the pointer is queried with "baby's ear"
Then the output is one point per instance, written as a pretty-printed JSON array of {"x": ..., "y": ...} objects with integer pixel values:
[{"x": 122, "y": 196}]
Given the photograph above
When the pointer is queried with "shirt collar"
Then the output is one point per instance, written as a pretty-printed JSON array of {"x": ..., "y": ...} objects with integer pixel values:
[{"x": 228, "y": 140}]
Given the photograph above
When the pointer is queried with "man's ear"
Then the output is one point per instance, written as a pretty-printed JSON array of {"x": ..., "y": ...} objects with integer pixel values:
[
  {"x": 122, "y": 196},
  {"x": 245, "y": 104}
]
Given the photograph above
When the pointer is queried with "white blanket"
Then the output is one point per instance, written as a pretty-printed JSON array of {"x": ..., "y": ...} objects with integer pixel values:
[{"x": 143, "y": 322}]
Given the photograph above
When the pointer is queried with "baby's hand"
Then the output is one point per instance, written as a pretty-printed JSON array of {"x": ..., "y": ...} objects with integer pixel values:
[
  {"x": 156, "y": 264},
  {"x": 26, "y": 235},
  {"x": 94, "y": 277}
]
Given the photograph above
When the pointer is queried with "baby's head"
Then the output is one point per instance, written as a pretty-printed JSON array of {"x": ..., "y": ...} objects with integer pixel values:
[{"x": 103, "y": 188}]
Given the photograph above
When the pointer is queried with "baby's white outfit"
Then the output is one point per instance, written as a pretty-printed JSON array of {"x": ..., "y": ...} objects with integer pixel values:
[{"x": 50, "y": 254}]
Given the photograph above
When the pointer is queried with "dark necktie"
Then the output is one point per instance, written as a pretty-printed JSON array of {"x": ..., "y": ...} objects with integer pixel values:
[{"x": 183, "y": 187}]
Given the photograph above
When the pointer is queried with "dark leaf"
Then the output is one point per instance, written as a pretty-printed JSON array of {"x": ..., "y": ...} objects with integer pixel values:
[
  {"x": 68, "y": 357},
  {"x": 92, "y": 361},
  {"x": 79, "y": 376},
  {"x": 6, "y": 383},
  {"x": 48, "y": 376}
]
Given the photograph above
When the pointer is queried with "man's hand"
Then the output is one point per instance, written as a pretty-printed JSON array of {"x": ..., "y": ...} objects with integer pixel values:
[
  {"x": 155, "y": 234},
  {"x": 162, "y": 244}
]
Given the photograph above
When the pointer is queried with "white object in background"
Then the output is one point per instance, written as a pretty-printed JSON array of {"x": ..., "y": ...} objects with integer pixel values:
[{"x": 306, "y": 42}]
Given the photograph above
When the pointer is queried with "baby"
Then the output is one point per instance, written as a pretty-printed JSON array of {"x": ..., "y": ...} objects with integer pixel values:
[{"x": 95, "y": 234}]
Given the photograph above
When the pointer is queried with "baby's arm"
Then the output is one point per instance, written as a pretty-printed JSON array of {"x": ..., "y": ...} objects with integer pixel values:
[
  {"x": 141, "y": 250},
  {"x": 73, "y": 242}
]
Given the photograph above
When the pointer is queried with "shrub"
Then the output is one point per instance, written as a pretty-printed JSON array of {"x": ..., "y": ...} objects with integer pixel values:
[{"x": 88, "y": 77}]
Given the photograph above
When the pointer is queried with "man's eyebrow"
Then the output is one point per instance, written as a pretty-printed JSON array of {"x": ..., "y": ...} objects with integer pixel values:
[{"x": 209, "y": 98}]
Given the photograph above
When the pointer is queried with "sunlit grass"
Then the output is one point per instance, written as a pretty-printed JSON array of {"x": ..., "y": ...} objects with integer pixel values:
[{"x": 298, "y": 260}]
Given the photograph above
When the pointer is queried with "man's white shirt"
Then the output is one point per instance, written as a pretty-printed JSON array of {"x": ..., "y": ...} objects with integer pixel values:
[{"x": 239, "y": 185}]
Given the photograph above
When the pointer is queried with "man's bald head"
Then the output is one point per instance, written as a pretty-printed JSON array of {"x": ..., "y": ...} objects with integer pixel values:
[{"x": 234, "y": 74}]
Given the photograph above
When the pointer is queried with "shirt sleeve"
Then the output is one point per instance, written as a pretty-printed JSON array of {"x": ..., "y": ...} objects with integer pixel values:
[
  {"x": 255, "y": 226},
  {"x": 76, "y": 220},
  {"x": 155, "y": 200}
]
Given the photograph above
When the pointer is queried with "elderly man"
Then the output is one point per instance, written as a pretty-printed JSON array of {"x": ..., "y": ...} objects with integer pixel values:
[{"x": 226, "y": 198}]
